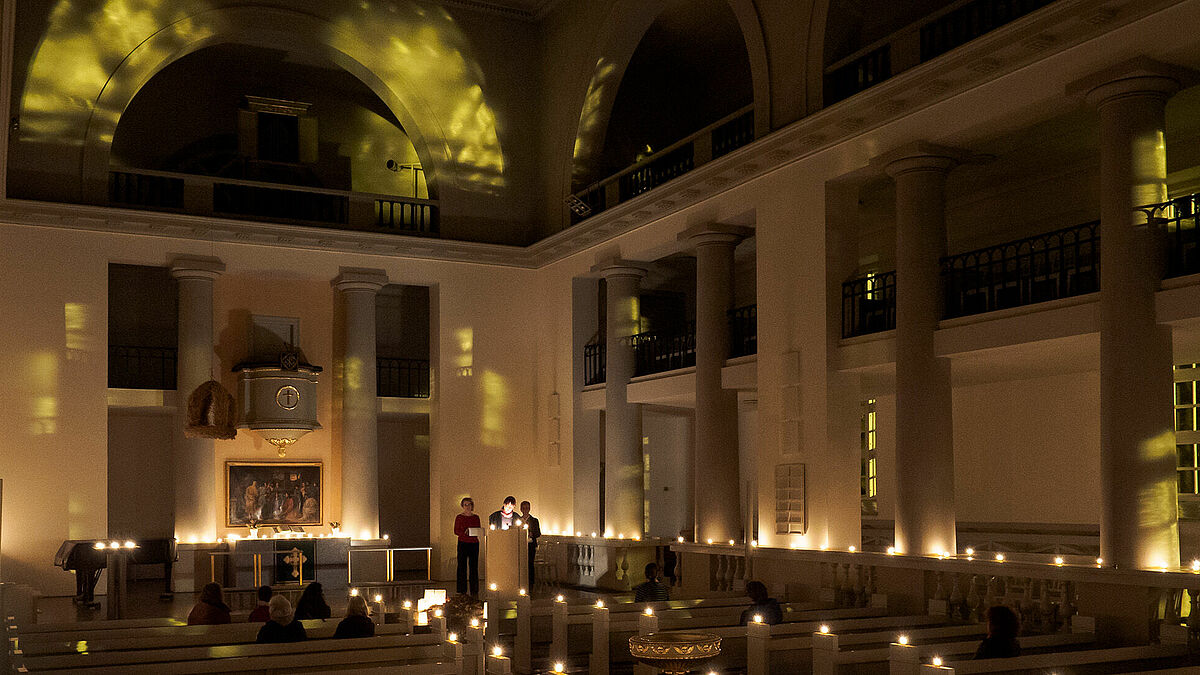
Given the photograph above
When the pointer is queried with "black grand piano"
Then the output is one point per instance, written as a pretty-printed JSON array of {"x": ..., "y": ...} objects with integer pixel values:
[{"x": 87, "y": 558}]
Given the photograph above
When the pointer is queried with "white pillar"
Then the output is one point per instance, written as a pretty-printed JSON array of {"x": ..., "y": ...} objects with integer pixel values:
[
  {"x": 624, "y": 510},
  {"x": 1138, "y": 518},
  {"x": 360, "y": 433},
  {"x": 924, "y": 418},
  {"x": 195, "y": 467},
  {"x": 718, "y": 512}
]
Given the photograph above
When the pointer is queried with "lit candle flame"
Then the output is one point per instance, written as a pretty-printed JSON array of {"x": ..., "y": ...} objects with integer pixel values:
[{"x": 903, "y": 639}]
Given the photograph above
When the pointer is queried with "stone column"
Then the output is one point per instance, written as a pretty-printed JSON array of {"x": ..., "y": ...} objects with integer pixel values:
[
  {"x": 624, "y": 511},
  {"x": 1138, "y": 518},
  {"x": 360, "y": 406},
  {"x": 924, "y": 418},
  {"x": 718, "y": 501},
  {"x": 195, "y": 467}
]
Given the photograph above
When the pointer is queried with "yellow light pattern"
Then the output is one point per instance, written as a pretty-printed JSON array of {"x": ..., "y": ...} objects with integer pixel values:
[{"x": 94, "y": 57}]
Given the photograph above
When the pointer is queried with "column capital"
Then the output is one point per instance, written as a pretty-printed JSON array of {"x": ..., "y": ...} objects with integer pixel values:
[
  {"x": 715, "y": 233},
  {"x": 1139, "y": 77},
  {"x": 359, "y": 279},
  {"x": 197, "y": 267},
  {"x": 921, "y": 156},
  {"x": 619, "y": 267}
]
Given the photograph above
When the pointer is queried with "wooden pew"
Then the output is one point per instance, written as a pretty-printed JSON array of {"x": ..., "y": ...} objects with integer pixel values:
[
  {"x": 419, "y": 650},
  {"x": 191, "y": 637},
  {"x": 1090, "y": 657},
  {"x": 947, "y": 641}
]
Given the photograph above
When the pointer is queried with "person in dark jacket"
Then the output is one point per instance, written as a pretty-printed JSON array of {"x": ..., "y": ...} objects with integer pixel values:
[
  {"x": 262, "y": 611},
  {"x": 506, "y": 517},
  {"x": 1003, "y": 626},
  {"x": 282, "y": 627},
  {"x": 651, "y": 590},
  {"x": 763, "y": 605},
  {"x": 531, "y": 523},
  {"x": 211, "y": 610},
  {"x": 311, "y": 604},
  {"x": 356, "y": 624}
]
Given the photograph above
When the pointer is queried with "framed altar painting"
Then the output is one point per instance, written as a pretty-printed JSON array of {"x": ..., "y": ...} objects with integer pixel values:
[{"x": 273, "y": 493}]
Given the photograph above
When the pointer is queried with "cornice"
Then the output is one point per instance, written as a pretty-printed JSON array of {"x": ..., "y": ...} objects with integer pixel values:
[{"x": 1037, "y": 36}]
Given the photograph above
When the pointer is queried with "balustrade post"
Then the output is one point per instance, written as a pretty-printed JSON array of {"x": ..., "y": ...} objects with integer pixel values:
[
  {"x": 558, "y": 631},
  {"x": 523, "y": 644},
  {"x": 758, "y": 648}
]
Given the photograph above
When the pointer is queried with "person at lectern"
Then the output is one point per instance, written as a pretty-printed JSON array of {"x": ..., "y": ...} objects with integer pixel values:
[
  {"x": 506, "y": 517},
  {"x": 467, "y": 528},
  {"x": 535, "y": 531}
]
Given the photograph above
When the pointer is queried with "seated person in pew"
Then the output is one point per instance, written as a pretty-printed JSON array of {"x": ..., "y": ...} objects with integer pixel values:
[
  {"x": 210, "y": 610},
  {"x": 1001, "y": 642},
  {"x": 311, "y": 604},
  {"x": 357, "y": 623},
  {"x": 282, "y": 627},
  {"x": 764, "y": 605},
  {"x": 651, "y": 590},
  {"x": 262, "y": 611}
]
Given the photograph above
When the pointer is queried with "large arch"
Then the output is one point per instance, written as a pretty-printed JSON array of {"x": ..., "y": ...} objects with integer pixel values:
[
  {"x": 617, "y": 39},
  {"x": 437, "y": 96}
]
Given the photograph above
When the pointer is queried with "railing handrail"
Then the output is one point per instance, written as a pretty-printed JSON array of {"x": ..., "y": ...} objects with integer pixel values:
[
  {"x": 688, "y": 328},
  {"x": 650, "y": 159},
  {"x": 273, "y": 186},
  {"x": 1090, "y": 225},
  {"x": 914, "y": 27}
]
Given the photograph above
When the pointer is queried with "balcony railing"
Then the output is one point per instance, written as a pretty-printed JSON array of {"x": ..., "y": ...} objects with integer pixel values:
[
  {"x": 402, "y": 378},
  {"x": 211, "y": 196},
  {"x": 869, "y": 304},
  {"x": 743, "y": 331},
  {"x": 1177, "y": 219},
  {"x": 593, "y": 364},
  {"x": 952, "y": 26},
  {"x": 1046, "y": 267},
  {"x": 967, "y": 22},
  {"x": 660, "y": 351},
  {"x": 717, "y": 139},
  {"x": 141, "y": 367}
]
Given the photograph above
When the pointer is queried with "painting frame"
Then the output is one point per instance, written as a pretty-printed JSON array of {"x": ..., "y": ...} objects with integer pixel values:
[{"x": 297, "y": 475}]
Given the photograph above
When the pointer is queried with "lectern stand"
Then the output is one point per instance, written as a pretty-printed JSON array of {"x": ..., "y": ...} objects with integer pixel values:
[{"x": 506, "y": 571}]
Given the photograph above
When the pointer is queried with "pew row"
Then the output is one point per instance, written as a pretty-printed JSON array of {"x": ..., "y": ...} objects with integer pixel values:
[{"x": 418, "y": 653}]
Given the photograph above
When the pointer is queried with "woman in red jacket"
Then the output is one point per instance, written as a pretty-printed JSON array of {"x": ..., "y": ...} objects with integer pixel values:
[{"x": 468, "y": 547}]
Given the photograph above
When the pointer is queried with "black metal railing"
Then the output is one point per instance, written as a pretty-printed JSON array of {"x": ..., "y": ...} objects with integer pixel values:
[
  {"x": 142, "y": 190},
  {"x": 265, "y": 202},
  {"x": 398, "y": 214},
  {"x": 860, "y": 74},
  {"x": 593, "y": 364},
  {"x": 960, "y": 26},
  {"x": 660, "y": 351},
  {"x": 141, "y": 367},
  {"x": 743, "y": 331},
  {"x": 1046, "y": 267},
  {"x": 589, "y": 204},
  {"x": 1178, "y": 220},
  {"x": 674, "y": 163},
  {"x": 733, "y": 134},
  {"x": 402, "y": 378},
  {"x": 869, "y": 304}
]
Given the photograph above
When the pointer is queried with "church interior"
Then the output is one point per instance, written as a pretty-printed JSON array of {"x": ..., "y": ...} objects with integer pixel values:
[{"x": 786, "y": 304}]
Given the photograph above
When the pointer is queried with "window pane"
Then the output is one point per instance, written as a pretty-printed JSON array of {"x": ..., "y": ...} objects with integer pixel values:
[
  {"x": 1187, "y": 482},
  {"x": 1187, "y": 455},
  {"x": 1183, "y": 393},
  {"x": 1184, "y": 419}
]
